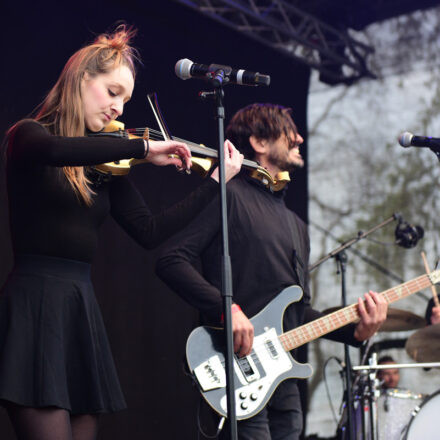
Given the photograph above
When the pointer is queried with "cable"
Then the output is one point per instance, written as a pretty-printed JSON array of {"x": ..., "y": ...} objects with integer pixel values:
[
  {"x": 199, "y": 425},
  {"x": 335, "y": 418}
]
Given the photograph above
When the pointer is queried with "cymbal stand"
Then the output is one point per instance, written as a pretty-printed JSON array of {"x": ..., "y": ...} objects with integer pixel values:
[
  {"x": 365, "y": 395},
  {"x": 341, "y": 259},
  {"x": 366, "y": 392},
  {"x": 373, "y": 394}
]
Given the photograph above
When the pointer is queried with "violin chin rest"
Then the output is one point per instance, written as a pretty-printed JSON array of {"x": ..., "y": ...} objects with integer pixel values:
[
  {"x": 201, "y": 165},
  {"x": 281, "y": 180}
]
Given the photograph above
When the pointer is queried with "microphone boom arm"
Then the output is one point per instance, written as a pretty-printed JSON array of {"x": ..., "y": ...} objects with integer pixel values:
[{"x": 349, "y": 243}]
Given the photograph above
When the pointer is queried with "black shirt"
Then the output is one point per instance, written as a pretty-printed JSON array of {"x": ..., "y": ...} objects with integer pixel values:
[
  {"x": 47, "y": 217},
  {"x": 269, "y": 249}
]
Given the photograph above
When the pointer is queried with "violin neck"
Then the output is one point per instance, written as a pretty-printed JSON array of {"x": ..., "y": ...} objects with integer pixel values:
[
  {"x": 198, "y": 149},
  {"x": 250, "y": 164},
  {"x": 206, "y": 151}
]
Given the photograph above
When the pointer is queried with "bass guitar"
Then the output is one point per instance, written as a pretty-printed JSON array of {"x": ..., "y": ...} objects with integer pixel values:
[{"x": 257, "y": 375}]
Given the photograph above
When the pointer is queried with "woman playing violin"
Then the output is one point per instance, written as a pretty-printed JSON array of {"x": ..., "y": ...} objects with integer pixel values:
[{"x": 56, "y": 368}]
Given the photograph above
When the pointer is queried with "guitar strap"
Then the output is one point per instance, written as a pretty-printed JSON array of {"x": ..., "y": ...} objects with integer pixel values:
[
  {"x": 298, "y": 251},
  {"x": 299, "y": 267}
]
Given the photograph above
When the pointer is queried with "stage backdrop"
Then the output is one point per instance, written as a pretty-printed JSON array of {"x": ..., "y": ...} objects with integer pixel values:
[{"x": 147, "y": 323}]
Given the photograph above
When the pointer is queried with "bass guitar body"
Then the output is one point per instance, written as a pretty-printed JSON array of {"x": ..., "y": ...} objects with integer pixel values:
[{"x": 257, "y": 375}]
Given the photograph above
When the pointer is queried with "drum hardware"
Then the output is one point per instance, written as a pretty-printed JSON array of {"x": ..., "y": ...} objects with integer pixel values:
[
  {"x": 387, "y": 415},
  {"x": 371, "y": 396},
  {"x": 361, "y": 395},
  {"x": 366, "y": 390},
  {"x": 388, "y": 366},
  {"x": 370, "y": 392}
]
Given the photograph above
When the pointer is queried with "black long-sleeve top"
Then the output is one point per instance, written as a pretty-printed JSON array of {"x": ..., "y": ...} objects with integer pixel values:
[
  {"x": 47, "y": 217},
  {"x": 269, "y": 249}
]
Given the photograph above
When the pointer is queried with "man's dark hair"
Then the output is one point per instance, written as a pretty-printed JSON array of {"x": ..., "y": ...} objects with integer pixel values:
[
  {"x": 264, "y": 121},
  {"x": 385, "y": 359}
]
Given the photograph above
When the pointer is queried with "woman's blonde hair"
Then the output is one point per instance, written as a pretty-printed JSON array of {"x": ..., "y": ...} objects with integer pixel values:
[{"x": 62, "y": 109}]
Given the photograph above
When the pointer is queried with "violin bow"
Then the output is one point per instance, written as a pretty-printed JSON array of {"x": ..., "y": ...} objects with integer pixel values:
[
  {"x": 166, "y": 133},
  {"x": 154, "y": 103}
]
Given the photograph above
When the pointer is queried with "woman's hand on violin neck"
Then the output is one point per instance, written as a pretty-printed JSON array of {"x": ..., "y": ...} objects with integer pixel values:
[
  {"x": 233, "y": 162},
  {"x": 163, "y": 153}
]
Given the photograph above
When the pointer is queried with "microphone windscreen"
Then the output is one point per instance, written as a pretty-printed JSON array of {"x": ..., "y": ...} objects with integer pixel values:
[
  {"x": 183, "y": 68},
  {"x": 405, "y": 139}
]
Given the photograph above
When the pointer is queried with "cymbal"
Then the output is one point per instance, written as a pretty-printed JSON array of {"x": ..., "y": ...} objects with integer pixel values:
[
  {"x": 400, "y": 320},
  {"x": 424, "y": 344},
  {"x": 397, "y": 320}
]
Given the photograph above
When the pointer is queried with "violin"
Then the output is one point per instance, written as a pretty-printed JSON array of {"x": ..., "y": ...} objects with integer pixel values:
[{"x": 203, "y": 158}]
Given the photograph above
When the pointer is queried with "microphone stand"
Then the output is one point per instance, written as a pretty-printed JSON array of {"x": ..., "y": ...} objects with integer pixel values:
[
  {"x": 226, "y": 291},
  {"x": 349, "y": 243},
  {"x": 341, "y": 260}
]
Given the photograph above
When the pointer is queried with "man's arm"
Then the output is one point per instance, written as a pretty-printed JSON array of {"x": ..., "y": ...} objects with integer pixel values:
[
  {"x": 176, "y": 266},
  {"x": 372, "y": 310}
]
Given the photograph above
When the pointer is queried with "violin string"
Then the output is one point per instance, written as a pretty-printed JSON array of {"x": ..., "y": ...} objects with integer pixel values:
[
  {"x": 160, "y": 135},
  {"x": 141, "y": 130},
  {"x": 196, "y": 148},
  {"x": 157, "y": 135}
]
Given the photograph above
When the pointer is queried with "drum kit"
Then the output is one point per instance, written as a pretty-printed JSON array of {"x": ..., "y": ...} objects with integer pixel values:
[
  {"x": 394, "y": 413},
  {"x": 382, "y": 413}
]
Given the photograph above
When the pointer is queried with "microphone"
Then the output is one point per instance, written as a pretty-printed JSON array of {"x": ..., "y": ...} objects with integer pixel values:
[
  {"x": 408, "y": 235},
  {"x": 407, "y": 139},
  {"x": 186, "y": 69}
]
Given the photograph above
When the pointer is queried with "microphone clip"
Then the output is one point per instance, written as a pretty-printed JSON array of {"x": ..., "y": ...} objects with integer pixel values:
[
  {"x": 219, "y": 75},
  {"x": 408, "y": 235}
]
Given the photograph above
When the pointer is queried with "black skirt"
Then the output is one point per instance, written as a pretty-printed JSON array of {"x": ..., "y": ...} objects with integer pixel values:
[{"x": 53, "y": 345}]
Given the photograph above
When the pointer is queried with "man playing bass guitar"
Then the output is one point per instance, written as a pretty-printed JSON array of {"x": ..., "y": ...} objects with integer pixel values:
[{"x": 269, "y": 248}]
